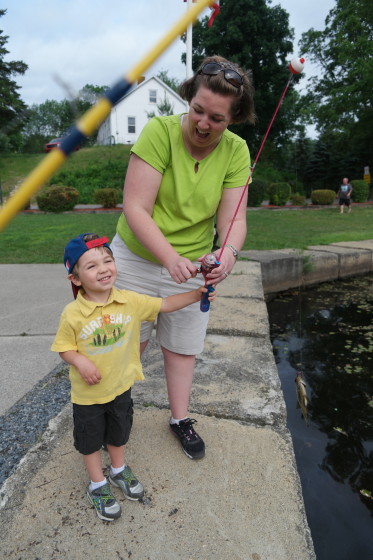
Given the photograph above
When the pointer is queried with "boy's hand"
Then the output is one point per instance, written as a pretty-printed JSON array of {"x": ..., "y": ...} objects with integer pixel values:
[
  {"x": 203, "y": 290},
  {"x": 89, "y": 372},
  {"x": 85, "y": 367}
]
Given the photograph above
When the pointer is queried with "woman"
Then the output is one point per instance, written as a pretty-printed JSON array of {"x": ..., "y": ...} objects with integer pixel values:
[{"x": 185, "y": 172}]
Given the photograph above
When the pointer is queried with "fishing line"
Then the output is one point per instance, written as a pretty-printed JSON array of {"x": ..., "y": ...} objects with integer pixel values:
[{"x": 295, "y": 67}]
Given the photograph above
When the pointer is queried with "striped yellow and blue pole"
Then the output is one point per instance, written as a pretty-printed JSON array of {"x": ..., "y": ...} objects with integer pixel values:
[{"x": 92, "y": 119}]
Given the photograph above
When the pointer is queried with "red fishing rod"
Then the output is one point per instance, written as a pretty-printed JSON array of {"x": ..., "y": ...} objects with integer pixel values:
[{"x": 210, "y": 261}]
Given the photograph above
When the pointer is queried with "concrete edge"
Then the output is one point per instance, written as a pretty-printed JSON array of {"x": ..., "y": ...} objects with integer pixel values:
[
  {"x": 16, "y": 484},
  {"x": 287, "y": 269}
]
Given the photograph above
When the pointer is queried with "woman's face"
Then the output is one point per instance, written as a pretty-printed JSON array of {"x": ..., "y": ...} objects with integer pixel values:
[{"x": 209, "y": 115}]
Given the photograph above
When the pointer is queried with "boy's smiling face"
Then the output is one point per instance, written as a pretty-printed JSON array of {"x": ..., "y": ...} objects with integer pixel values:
[{"x": 96, "y": 273}]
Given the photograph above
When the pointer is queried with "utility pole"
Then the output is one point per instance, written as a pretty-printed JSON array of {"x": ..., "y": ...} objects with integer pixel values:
[{"x": 189, "y": 69}]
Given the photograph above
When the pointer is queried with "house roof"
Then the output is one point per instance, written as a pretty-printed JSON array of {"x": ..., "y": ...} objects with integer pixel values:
[{"x": 160, "y": 82}]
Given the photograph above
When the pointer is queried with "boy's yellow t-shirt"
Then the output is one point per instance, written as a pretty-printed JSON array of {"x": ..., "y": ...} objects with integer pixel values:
[{"x": 109, "y": 335}]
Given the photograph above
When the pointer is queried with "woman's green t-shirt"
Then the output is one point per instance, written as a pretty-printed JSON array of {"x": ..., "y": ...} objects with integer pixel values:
[{"x": 187, "y": 200}]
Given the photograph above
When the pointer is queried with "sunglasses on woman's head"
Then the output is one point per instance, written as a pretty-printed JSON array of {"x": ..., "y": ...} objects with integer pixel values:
[{"x": 213, "y": 68}]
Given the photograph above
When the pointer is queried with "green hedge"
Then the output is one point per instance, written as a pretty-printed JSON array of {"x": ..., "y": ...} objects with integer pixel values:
[
  {"x": 323, "y": 196},
  {"x": 298, "y": 199},
  {"x": 107, "y": 197},
  {"x": 279, "y": 193},
  {"x": 57, "y": 198},
  {"x": 257, "y": 192},
  {"x": 297, "y": 187},
  {"x": 360, "y": 190}
]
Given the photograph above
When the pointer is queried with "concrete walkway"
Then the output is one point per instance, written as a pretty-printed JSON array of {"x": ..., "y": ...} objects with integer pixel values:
[{"x": 242, "y": 502}]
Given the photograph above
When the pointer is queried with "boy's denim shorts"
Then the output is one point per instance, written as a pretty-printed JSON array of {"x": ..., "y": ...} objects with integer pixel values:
[
  {"x": 181, "y": 331},
  {"x": 96, "y": 424}
]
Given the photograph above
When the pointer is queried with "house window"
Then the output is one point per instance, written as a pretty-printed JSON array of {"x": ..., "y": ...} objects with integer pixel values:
[
  {"x": 131, "y": 125},
  {"x": 152, "y": 96}
]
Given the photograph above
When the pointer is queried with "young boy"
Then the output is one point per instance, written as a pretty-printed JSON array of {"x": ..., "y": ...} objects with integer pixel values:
[{"x": 99, "y": 336}]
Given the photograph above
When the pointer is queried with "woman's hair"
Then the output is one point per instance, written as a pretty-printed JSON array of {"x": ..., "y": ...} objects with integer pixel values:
[{"x": 243, "y": 103}]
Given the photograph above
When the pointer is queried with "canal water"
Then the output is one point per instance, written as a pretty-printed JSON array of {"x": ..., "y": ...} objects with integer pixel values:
[{"x": 327, "y": 334}]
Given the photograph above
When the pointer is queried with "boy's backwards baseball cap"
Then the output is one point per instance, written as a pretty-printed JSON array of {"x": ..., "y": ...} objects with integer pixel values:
[{"x": 77, "y": 247}]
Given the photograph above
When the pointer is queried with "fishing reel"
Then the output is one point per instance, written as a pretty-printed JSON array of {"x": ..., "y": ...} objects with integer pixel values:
[{"x": 209, "y": 263}]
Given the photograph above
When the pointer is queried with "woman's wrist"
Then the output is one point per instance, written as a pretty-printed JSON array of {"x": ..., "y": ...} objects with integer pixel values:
[{"x": 233, "y": 249}]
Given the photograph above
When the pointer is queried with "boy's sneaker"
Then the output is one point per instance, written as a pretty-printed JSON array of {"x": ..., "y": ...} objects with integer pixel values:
[
  {"x": 193, "y": 446},
  {"x": 107, "y": 508},
  {"x": 128, "y": 483}
]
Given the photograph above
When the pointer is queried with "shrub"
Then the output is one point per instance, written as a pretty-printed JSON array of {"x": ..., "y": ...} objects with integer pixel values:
[
  {"x": 360, "y": 190},
  {"x": 322, "y": 196},
  {"x": 279, "y": 193},
  {"x": 298, "y": 199},
  {"x": 257, "y": 192},
  {"x": 297, "y": 187},
  {"x": 57, "y": 198},
  {"x": 107, "y": 197}
]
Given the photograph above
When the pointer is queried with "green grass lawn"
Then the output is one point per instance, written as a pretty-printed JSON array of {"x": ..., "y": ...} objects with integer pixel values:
[
  {"x": 40, "y": 238},
  {"x": 298, "y": 229},
  {"x": 15, "y": 167}
]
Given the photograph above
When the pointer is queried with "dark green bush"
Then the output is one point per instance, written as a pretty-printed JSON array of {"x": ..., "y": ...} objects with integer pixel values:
[
  {"x": 279, "y": 193},
  {"x": 323, "y": 196},
  {"x": 257, "y": 192},
  {"x": 360, "y": 190},
  {"x": 107, "y": 197},
  {"x": 57, "y": 198},
  {"x": 298, "y": 199}
]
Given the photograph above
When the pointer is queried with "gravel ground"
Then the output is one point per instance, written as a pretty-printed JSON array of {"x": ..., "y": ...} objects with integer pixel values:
[{"x": 23, "y": 424}]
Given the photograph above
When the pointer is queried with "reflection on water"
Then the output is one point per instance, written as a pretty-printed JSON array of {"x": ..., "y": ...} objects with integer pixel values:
[{"x": 327, "y": 334}]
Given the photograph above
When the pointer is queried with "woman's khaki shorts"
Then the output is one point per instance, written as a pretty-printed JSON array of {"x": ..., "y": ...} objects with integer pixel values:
[{"x": 183, "y": 331}]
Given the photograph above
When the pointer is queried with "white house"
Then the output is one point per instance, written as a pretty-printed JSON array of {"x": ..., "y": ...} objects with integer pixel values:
[{"x": 129, "y": 116}]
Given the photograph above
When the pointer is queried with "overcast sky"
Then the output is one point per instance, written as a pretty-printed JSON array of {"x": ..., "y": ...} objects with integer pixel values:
[{"x": 71, "y": 43}]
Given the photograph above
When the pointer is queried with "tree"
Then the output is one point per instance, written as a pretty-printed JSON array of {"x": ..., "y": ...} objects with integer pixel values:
[
  {"x": 165, "y": 106},
  {"x": 315, "y": 172},
  {"x": 256, "y": 36},
  {"x": 340, "y": 101},
  {"x": 51, "y": 118},
  {"x": 55, "y": 118},
  {"x": 173, "y": 83},
  {"x": 90, "y": 94},
  {"x": 12, "y": 107}
]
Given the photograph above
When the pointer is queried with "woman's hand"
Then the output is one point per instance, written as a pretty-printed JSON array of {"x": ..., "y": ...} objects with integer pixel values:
[
  {"x": 181, "y": 269},
  {"x": 221, "y": 272}
]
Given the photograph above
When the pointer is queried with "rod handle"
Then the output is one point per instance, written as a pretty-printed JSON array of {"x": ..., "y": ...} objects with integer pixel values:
[{"x": 205, "y": 304}]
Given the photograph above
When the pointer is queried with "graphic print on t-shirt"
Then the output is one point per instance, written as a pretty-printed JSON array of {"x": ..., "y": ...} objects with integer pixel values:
[{"x": 104, "y": 331}]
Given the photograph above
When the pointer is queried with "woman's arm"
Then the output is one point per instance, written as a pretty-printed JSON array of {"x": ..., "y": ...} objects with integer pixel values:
[{"x": 140, "y": 192}]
